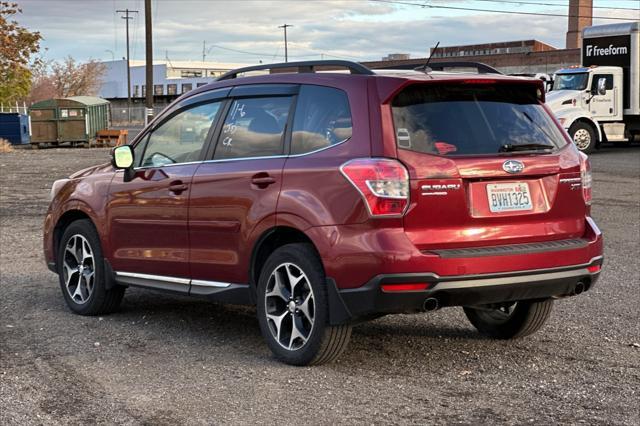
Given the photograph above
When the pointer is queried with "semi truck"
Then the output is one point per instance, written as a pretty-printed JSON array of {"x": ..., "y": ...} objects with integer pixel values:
[{"x": 599, "y": 100}]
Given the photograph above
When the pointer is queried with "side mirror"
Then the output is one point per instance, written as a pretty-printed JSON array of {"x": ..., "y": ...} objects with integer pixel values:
[
  {"x": 602, "y": 86},
  {"x": 122, "y": 159}
]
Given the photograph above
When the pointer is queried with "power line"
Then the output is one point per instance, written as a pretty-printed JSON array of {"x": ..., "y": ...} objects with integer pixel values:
[
  {"x": 553, "y": 4},
  {"x": 280, "y": 56},
  {"x": 511, "y": 12}
]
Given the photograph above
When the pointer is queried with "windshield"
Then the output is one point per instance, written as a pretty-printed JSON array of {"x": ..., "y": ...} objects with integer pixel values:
[
  {"x": 463, "y": 119},
  {"x": 577, "y": 81}
]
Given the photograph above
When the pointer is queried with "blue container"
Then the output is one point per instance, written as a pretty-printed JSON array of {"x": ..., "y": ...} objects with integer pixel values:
[{"x": 14, "y": 127}]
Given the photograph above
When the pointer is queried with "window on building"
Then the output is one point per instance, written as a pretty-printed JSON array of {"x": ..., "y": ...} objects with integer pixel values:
[
  {"x": 158, "y": 89},
  {"x": 186, "y": 87},
  {"x": 172, "y": 89},
  {"x": 323, "y": 118},
  {"x": 190, "y": 73},
  {"x": 144, "y": 90},
  {"x": 201, "y": 84},
  {"x": 254, "y": 128},
  {"x": 136, "y": 91},
  {"x": 181, "y": 138}
]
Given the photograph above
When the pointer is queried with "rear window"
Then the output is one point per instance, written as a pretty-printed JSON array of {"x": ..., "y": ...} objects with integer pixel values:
[{"x": 466, "y": 119}]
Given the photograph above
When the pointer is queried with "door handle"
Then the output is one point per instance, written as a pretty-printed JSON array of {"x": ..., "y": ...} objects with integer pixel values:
[
  {"x": 177, "y": 187},
  {"x": 262, "y": 180}
]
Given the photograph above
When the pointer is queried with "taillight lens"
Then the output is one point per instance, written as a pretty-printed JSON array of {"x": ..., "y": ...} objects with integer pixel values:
[
  {"x": 585, "y": 175},
  {"x": 382, "y": 182}
]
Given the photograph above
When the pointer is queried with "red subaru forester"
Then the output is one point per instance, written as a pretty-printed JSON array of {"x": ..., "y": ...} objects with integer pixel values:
[{"x": 328, "y": 198}]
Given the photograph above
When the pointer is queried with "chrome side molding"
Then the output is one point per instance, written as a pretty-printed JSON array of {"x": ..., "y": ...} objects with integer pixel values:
[{"x": 148, "y": 280}]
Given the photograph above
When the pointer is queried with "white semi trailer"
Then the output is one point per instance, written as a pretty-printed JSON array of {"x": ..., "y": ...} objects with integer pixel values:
[{"x": 599, "y": 101}]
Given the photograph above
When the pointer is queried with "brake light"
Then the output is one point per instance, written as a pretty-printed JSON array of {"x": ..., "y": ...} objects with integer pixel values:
[
  {"x": 382, "y": 182},
  {"x": 585, "y": 175},
  {"x": 594, "y": 268},
  {"x": 479, "y": 81}
]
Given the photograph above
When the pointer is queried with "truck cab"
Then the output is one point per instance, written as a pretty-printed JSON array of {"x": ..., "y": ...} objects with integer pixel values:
[{"x": 599, "y": 101}]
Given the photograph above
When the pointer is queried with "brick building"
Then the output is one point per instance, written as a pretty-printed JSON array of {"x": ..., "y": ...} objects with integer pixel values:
[{"x": 522, "y": 60}]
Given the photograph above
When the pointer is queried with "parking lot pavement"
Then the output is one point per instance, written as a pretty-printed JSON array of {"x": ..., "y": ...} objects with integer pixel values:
[{"x": 173, "y": 360}]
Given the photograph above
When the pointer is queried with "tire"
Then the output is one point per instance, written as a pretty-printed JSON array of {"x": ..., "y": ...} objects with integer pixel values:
[
  {"x": 584, "y": 136},
  {"x": 522, "y": 319},
  {"x": 79, "y": 254},
  {"x": 315, "y": 342}
]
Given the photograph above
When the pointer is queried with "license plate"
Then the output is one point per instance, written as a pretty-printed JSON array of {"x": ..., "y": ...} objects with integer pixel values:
[{"x": 508, "y": 197}]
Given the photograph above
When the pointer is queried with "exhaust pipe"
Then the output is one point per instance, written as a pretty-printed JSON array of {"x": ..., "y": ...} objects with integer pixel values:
[
  {"x": 579, "y": 288},
  {"x": 431, "y": 304}
]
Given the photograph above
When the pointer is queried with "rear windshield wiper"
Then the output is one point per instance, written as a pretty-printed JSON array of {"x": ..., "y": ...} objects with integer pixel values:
[{"x": 525, "y": 147}]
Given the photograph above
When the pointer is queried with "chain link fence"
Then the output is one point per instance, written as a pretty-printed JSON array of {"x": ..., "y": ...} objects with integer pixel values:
[{"x": 123, "y": 116}]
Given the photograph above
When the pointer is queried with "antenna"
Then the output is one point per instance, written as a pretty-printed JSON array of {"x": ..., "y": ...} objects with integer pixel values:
[{"x": 425, "y": 67}]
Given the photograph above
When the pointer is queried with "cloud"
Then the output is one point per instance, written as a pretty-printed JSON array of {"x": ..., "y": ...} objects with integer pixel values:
[{"x": 353, "y": 29}]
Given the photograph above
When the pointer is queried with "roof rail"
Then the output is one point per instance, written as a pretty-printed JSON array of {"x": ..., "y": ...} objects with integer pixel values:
[
  {"x": 303, "y": 67},
  {"x": 479, "y": 66},
  {"x": 440, "y": 66}
]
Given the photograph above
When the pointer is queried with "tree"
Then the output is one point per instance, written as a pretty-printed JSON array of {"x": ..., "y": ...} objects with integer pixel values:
[
  {"x": 73, "y": 79},
  {"x": 17, "y": 48},
  {"x": 65, "y": 78}
]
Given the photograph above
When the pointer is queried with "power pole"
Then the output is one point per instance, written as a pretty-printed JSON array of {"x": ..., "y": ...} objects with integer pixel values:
[
  {"x": 286, "y": 50},
  {"x": 204, "y": 54},
  {"x": 149, "y": 61},
  {"x": 126, "y": 17}
]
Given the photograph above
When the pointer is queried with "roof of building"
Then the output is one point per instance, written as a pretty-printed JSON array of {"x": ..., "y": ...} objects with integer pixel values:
[
  {"x": 495, "y": 43},
  {"x": 622, "y": 28},
  {"x": 183, "y": 64}
]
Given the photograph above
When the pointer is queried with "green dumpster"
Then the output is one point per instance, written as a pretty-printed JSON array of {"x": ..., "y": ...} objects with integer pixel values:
[{"x": 75, "y": 120}]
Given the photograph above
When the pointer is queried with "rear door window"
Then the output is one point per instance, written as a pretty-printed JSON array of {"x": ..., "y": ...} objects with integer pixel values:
[
  {"x": 254, "y": 127},
  {"x": 468, "y": 119},
  {"x": 322, "y": 119}
]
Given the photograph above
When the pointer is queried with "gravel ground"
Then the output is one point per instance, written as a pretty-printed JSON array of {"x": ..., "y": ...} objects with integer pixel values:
[{"x": 175, "y": 360}]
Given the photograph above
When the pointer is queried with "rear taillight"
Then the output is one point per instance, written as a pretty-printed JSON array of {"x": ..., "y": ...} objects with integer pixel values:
[
  {"x": 585, "y": 175},
  {"x": 382, "y": 182}
]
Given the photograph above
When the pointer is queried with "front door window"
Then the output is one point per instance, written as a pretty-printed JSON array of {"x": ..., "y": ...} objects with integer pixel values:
[{"x": 181, "y": 138}]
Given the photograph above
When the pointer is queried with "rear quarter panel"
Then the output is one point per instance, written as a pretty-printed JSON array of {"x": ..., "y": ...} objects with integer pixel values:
[{"x": 313, "y": 187}]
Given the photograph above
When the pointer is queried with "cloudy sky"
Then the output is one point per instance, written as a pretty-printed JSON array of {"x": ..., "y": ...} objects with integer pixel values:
[{"x": 245, "y": 31}]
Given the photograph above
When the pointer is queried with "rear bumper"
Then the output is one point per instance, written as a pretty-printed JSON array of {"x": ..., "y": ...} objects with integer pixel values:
[{"x": 467, "y": 290}]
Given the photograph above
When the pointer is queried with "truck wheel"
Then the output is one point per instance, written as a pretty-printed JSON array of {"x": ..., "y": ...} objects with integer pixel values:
[
  {"x": 81, "y": 272},
  {"x": 584, "y": 137},
  {"x": 510, "y": 321},
  {"x": 293, "y": 309}
]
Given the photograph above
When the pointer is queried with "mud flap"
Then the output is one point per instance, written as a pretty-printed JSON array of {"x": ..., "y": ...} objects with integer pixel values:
[{"x": 338, "y": 311}]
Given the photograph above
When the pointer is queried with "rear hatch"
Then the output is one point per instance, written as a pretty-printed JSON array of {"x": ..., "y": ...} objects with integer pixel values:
[{"x": 487, "y": 165}]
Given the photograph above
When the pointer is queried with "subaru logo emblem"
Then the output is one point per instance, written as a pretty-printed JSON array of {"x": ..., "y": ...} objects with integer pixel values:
[{"x": 513, "y": 166}]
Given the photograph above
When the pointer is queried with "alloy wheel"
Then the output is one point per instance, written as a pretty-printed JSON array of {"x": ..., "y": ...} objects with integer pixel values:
[
  {"x": 78, "y": 269},
  {"x": 582, "y": 139},
  {"x": 289, "y": 306}
]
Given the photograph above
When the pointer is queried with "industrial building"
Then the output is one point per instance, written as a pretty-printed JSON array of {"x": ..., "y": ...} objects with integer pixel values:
[{"x": 170, "y": 78}]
